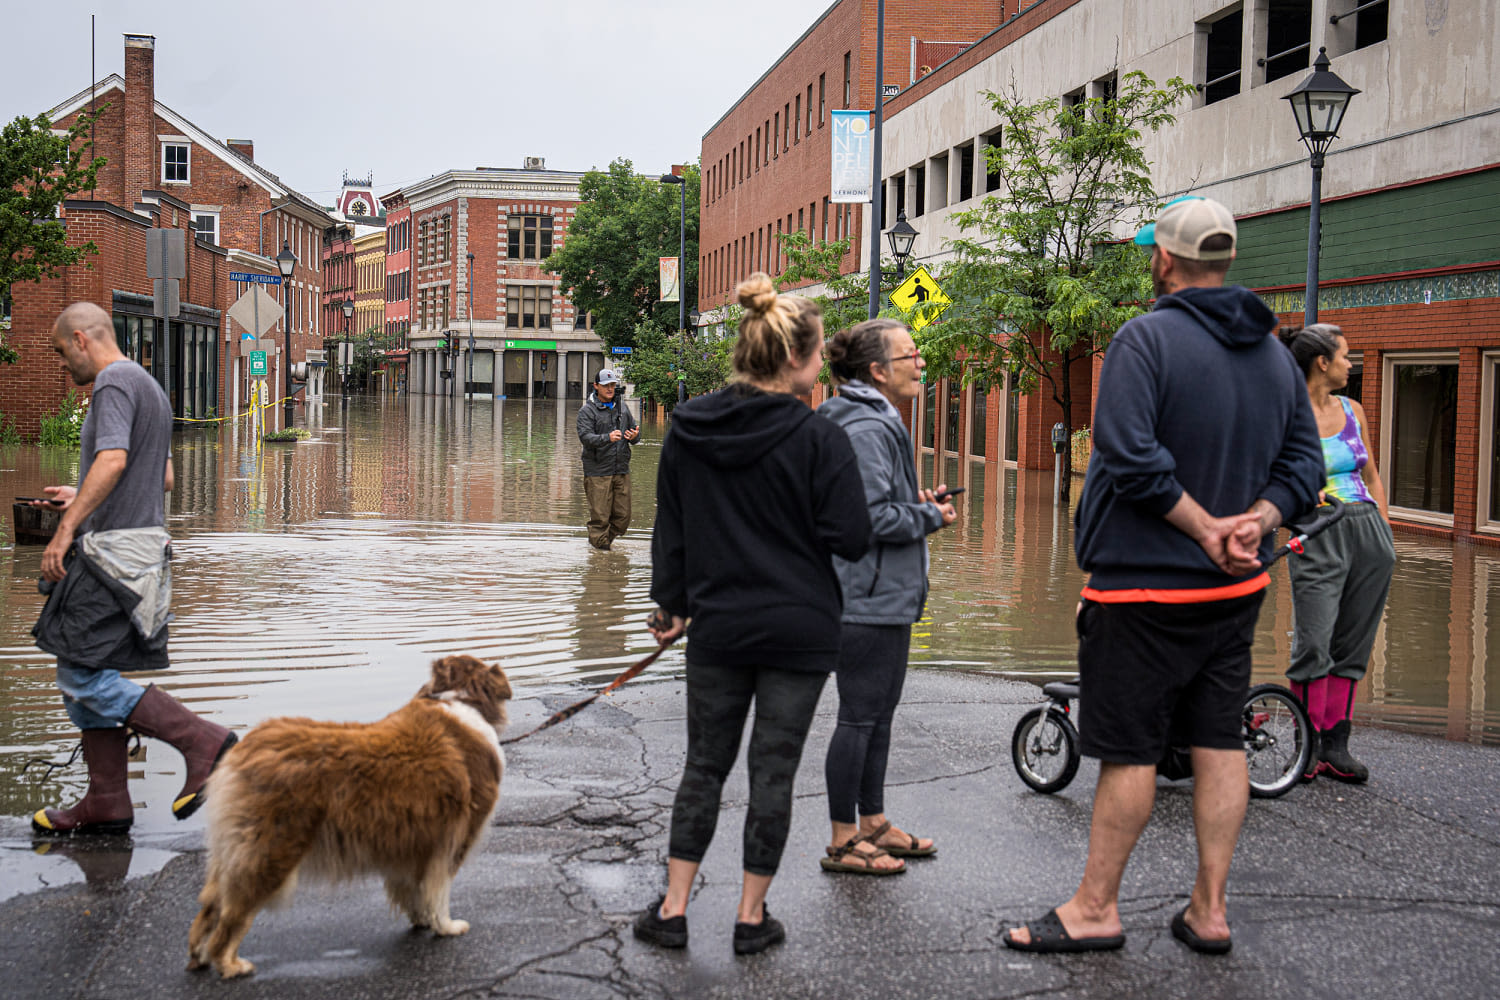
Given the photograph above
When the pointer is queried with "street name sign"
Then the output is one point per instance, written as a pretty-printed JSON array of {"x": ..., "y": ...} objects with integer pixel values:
[
  {"x": 255, "y": 279},
  {"x": 258, "y": 367},
  {"x": 622, "y": 350},
  {"x": 920, "y": 289}
]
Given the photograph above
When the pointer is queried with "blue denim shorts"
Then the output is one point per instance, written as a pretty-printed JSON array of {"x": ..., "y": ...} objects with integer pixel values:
[{"x": 96, "y": 699}]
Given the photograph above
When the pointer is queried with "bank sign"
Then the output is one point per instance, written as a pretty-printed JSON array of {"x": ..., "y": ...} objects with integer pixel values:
[{"x": 853, "y": 157}]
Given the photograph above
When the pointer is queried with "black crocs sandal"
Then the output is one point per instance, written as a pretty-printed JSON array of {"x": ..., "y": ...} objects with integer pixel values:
[
  {"x": 1203, "y": 946},
  {"x": 1048, "y": 935}
]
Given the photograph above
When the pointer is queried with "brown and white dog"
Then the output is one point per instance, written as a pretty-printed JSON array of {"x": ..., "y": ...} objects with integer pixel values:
[{"x": 406, "y": 798}]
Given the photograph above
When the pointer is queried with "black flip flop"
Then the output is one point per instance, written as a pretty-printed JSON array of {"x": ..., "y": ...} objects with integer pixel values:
[
  {"x": 1203, "y": 946},
  {"x": 1048, "y": 935}
]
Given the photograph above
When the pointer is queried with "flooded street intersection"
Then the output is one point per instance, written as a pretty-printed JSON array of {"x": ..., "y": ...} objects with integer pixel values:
[{"x": 321, "y": 578}]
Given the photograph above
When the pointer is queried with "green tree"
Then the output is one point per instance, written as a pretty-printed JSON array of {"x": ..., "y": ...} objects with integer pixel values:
[
  {"x": 1039, "y": 281},
  {"x": 39, "y": 170},
  {"x": 845, "y": 299},
  {"x": 608, "y": 259},
  {"x": 660, "y": 356}
]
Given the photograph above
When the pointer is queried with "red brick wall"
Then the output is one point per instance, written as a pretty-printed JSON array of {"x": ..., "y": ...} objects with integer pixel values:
[
  {"x": 736, "y": 203},
  {"x": 37, "y": 384},
  {"x": 126, "y": 136},
  {"x": 398, "y": 262}
]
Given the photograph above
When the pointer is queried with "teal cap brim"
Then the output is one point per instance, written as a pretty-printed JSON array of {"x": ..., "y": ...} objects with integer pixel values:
[{"x": 1147, "y": 236}]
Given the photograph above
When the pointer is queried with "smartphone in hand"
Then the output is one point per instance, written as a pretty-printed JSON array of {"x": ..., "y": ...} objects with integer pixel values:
[
  {"x": 947, "y": 495},
  {"x": 45, "y": 500}
]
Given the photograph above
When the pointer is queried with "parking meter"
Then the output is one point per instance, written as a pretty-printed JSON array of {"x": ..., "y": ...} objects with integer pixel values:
[{"x": 1059, "y": 438}]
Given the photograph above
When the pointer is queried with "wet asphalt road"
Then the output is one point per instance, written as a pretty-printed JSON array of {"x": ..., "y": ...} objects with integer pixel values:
[{"x": 1390, "y": 890}]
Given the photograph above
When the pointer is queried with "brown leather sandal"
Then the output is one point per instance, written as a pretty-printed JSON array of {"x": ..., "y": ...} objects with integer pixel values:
[{"x": 837, "y": 856}]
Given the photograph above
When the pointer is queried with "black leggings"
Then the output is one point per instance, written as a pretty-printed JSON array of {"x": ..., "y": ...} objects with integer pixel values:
[
  {"x": 872, "y": 669},
  {"x": 718, "y": 699}
]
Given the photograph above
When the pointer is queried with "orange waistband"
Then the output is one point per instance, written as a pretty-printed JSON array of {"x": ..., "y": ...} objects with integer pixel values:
[{"x": 1147, "y": 595}]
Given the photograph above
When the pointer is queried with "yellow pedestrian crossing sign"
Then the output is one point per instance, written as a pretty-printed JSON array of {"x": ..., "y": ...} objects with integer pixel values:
[{"x": 920, "y": 289}]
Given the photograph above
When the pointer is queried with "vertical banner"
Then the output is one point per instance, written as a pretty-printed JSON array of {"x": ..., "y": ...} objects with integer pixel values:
[
  {"x": 671, "y": 288},
  {"x": 853, "y": 151}
]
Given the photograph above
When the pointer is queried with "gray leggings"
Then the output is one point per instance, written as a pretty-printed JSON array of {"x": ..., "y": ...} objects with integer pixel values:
[
  {"x": 1339, "y": 586},
  {"x": 718, "y": 700}
]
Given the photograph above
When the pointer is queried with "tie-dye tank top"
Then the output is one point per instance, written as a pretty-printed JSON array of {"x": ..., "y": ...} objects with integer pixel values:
[{"x": 1344, "y": 456}]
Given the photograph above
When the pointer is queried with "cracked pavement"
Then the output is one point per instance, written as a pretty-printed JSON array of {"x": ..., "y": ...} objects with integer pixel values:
[{"x": 1389, "y": 890}]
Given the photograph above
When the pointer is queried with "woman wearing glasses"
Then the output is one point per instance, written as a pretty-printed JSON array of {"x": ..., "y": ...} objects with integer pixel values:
[{"x": 876, "y": 368}]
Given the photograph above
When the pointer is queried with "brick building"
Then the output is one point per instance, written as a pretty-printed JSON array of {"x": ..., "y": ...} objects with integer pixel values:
[
  {"x": 165, "y": 171},
  {"x": 1410, "y": 260},
  {"x": 397, "y": 267},
  {"x": 766, "y": 163},
  {"x": 526, "y": 338},
  {"x": 338, "y": 279}
]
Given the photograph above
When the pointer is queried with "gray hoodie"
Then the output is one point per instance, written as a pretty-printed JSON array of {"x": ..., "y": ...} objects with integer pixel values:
[{"x": 889, "y": 585}]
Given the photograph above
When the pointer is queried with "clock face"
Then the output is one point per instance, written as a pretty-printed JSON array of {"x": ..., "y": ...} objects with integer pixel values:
[{"x": 357, "y": 207}]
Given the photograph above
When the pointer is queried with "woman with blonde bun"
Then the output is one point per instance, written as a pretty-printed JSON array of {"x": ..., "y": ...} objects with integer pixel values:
[{"x": 755, "y": 497}]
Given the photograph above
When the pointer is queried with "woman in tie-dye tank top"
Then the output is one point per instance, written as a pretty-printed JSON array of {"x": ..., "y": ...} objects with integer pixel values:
[{"x": 1339, "y": 584}]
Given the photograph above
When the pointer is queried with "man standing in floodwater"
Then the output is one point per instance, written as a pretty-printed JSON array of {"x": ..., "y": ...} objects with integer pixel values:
[
  {"x": 607, "y": 430},
  {"x": 1204, "y": 443},
  {"x": 107, "y": 573}
]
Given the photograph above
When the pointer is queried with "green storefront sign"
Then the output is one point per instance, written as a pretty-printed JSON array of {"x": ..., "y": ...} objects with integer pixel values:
[{"x": 531, "y": 345}]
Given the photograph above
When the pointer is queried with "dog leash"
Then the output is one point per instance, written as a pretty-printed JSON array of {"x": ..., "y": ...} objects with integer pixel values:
[{"x": 577, "y": 707}]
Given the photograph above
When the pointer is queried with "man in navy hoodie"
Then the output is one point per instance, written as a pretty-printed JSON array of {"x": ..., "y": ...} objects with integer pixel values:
[{"x": 1204, "y": 443}]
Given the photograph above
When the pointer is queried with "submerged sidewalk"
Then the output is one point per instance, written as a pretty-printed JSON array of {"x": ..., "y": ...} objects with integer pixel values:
[{"x": 1389, "y": 890}]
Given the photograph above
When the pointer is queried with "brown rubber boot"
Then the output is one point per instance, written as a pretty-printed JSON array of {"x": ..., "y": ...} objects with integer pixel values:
[
  {"x": 105, "y": 808},
  {"x": 201, "y": 743}
]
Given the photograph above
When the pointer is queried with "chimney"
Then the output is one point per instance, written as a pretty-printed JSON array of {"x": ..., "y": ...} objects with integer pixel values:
[
  {"x": 140, "y": 116},
  {"x": 245, "y": 147}
]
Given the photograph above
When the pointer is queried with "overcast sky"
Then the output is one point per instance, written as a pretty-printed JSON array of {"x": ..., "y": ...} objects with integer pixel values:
[{"x": 408, "y": 89}]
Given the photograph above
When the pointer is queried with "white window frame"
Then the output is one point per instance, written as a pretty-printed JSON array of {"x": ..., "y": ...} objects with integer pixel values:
[
  {"x": 187, "y": 145},
  {"x": 214, "y": 214},
  {"x": 1489, "y": 384},
  {"x": 1388, "y": 364}
]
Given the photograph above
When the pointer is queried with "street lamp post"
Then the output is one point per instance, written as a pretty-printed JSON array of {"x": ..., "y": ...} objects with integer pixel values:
[
  {"x": 1319, "y": 103},
  {"x": 469, "y": 385},
  {"x": 681, "y": 183},
  {"x": 901, "y": 238},
  {"x": 348, "y": 315},
  {"x": 286, "y": 261}
]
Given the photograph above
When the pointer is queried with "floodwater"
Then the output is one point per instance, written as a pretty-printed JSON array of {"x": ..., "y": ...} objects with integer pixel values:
[{"x": 321, "y": 578}]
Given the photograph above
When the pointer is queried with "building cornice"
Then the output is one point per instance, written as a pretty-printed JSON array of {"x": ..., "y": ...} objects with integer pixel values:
[{"x": 500, "y": 185}]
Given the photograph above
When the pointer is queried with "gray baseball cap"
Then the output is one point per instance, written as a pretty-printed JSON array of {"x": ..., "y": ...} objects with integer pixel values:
[{"x": 608, "y": 376}]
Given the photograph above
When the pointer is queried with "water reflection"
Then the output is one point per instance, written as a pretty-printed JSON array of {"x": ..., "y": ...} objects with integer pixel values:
[{"x": 320, "y": 578}]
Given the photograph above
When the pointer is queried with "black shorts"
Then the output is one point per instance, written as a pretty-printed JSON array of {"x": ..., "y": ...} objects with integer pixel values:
[{"x": 1160, "y": 675}]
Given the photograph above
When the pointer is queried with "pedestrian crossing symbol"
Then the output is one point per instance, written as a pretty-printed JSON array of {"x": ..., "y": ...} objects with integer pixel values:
[{"x": 920, "y": 289}]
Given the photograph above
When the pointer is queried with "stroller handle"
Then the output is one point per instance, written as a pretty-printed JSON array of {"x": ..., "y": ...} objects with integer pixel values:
[{"x": 1330, "y": 511}]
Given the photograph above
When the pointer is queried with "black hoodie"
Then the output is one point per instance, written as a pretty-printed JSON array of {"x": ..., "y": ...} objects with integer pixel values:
[
  {"x": 1196, "y": 395},
  {"x": 753, "y": 498}
]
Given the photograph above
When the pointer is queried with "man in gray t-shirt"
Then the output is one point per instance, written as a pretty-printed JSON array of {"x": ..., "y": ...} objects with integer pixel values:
[
  {"x": 124, "y": 474},
  {"x": 129, "y": 411}
]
